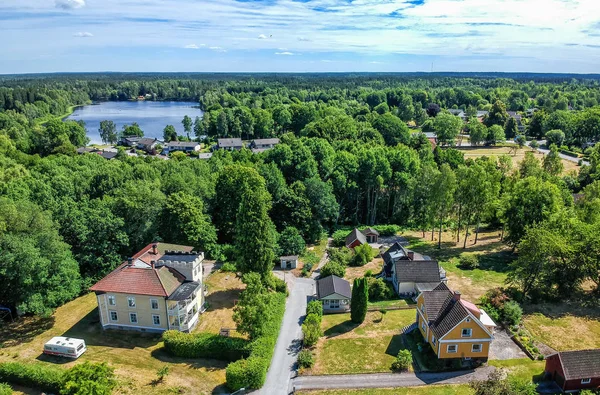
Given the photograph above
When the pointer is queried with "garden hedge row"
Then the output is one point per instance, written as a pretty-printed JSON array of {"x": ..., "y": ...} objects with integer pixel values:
[
  {"x": 252, "y": 372},
  {"x": 205, "y": 345},
  {"x": 43, "y": 377},
  {"x": 569, "y": 153},
  {"x": 5, "y": 389}
]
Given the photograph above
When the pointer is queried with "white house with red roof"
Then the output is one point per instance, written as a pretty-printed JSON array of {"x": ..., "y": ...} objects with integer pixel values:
[{"x": 159, "y": 288}]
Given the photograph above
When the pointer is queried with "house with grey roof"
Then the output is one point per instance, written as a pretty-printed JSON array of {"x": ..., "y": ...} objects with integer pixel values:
[
  {"x": 288, "y": 261},
  {"x": 183, "y": 146},
  {"x": 335, "y": 293},
  {"x": 263, "y": 144},
  {"x": 574, "y": 370},
  {"x": 355, "y": 238},
  {"x": 147, "y": 144},
  {"x": 229, "y": 144}
]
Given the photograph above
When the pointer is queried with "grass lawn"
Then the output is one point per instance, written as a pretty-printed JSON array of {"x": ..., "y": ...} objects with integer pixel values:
[
  {"x": 367, "y": 348},
  {"x": 525, "y": 369},
  {"x": 461, "y": 389},
  {"x": 135, "y": 356},
  {"x": 375, "y": 266},
  {"x": 494, "y": 258},
  {"x": 517, "y": 156},
  {"x": 223, "y": 289},
  {"x": 565, "y": 332},
  {"x": 386, "y": 304}
]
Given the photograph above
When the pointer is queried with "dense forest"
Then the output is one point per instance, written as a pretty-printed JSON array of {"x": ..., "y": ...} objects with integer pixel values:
[{"x": 347, "y": 156}]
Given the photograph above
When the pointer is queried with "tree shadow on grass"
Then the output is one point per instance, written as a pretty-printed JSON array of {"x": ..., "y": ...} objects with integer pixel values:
[
  {"x": 395, "y": 345},
  {"x": 211, "y": 365},
  {"x": 341, "y": 328},
  {"x": 23, "y": 330}
]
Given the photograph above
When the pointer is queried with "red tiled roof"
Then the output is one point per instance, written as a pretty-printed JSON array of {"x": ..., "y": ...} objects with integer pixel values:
[{"x": 471, "y": 307}]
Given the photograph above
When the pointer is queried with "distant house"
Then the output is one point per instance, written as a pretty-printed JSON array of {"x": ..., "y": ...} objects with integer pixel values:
[
  {"x": 108, "y": 155},
  {"x": 86, "y": 150},
  {"x": 411, "y": 272},
  {"x": 454, "y": 328},
  {"x": 157, "y": 289},
  {"x": 183, "y": 146},
  {"x": 289, "y": 261},
  {"x": 459, "y": 113},
  {"x": 517, "y": 117},
  {"x": 230, "y": 144},
  {"x": 335, "y": 293},
  {"x": 205, "y": 155},
  {"x": 355, "y": 238},
  {"x": 130, "y": 141},
  {"x": 147, "y": 144},
  {"x": 573, "y": 371},
  {"x": 263, "y": 144},
  {"x": 482, "y": 114},
  {"x": 371, "y": 234}
]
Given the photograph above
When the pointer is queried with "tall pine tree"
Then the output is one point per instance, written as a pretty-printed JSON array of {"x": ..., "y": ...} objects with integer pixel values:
[{"x": 360, "y": 300}]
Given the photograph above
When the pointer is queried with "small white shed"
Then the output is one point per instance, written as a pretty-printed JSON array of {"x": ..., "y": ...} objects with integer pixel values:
[{"x": 289, "y": 261}]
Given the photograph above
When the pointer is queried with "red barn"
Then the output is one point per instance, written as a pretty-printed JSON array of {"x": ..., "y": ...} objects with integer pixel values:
[
  {"x": 575, "y": 370},
  {"x": 355, "y": 238}
]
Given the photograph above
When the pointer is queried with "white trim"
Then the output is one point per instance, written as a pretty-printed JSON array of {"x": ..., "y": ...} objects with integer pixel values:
[
  {"x": 466, "y": 341},
  {"x": 480, "y": 347},
  {"x": 135, "y": 326},
  {"x": 586, "y": 381},
  {"x": 452, "y": 352},
  {"x": 110, "y": 316},
  {"x": 462, "y": 335},
  {"x": 136, "y": 317},
  {"x": 156, "y": 315},
  {"x": 472, "y": 318},
  {"x": 154, "y": 300}
]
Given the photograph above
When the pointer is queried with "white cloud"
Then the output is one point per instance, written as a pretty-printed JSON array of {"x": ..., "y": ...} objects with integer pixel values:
[
  {"x": 217, "y": 49},
  {"x": 285, "y": 53},
  {"x": 262, "y": 37},
  {"x": 83, "y": 34},
  {"x": 69, "y": 4},
  {"x": 193, "y": 46},
  {"x": 326, "y": 61},
  {"x": 376, "y": 62}
]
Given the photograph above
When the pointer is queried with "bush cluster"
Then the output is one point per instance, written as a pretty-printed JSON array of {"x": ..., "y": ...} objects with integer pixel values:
[
  {"x": 468, "y": 261},
  {"x": 363, "y": 254},
  {"x": 205, "y": 345},
  {"x": 229, "y": 267},
  {"x": 306, "y": 359},
  {"x": 89, "y": 378},
  {"x": 339, "y": 259},
  {"x": 380, "y": 289},
  {"x": 5, "y": 389},
  {"x": 46, "y": 378},
  {"x": 311, "y": 328},
  {"x": 252, "y": 372},
  {"x": 501, "y": 308},
  {"x": 403, "y": 361}
]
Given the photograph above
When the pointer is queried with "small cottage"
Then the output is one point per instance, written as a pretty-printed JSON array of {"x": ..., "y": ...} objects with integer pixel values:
[
  {"x": 372, "y": 235},
  {"x": 289, "y": 261},
  {"x": 574, "y": 370},
  {"x": 335, "y": 293},
  {"x": 355, "y": 238}
]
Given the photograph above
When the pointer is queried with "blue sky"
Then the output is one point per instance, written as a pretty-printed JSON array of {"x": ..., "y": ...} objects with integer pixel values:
[{"x": 299, "y": 35}]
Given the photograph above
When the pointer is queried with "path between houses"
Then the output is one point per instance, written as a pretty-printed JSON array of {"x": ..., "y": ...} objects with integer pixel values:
[
  {"x": 387, "y": 380},
  {"x": 323, "y": 261},
  {"x": 289, "y": 341}
]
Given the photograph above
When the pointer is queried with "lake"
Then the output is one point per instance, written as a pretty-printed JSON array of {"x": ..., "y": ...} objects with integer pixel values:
[{"x": 152, "y": 116}]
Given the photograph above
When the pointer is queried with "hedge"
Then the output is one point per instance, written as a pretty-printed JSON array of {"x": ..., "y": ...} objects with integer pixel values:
[
  {"x": 43, "y": 377},
  {"x": 569, "y": 153},
  {"x": 205, "y": 345},
  {"x": 251, "y": 373},
  {"x": 5, "y": 389}
]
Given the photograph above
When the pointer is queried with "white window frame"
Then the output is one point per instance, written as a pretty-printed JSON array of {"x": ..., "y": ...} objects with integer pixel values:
[
  {"x": 480, "y": 347},
  {"x": 586, "y": 381},
  {"x": 110, "y": 315},
  {"x": 462, "y": 334},
  {"x": 455, "y": 346},
  {"x": 334, "y": 304},
  {"x": 113, "y": 299},
  {"x": 154, "y": 317},
  {"x": 424, "y": 326},
  {"x": 433, "y": 340},
  {"x": 152, "y": 304},
  {"x": 131, "y": 299},
  {"x": 131, "y": 315}
]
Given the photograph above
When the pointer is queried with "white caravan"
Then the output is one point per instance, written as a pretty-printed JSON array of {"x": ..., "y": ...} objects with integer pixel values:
[{"x": 65, "y": 347}]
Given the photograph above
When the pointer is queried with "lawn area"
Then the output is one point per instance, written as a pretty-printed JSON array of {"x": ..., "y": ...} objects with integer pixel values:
[
  {"x": 375, "y": 266},
  {"x": 312, "y": 255},
  {"x": 525, "y": 369},
  {"x": 461, "y": 389},
  {"x": 386, "y": 304},
  {"x": 493, "y": 255},
  {"x": 223, "y": 289},
  {"x": 135, "y": 356},
  {"x": 566, "y": 332},
  {"x": 517, "y": 156},
  {"x": 367, "y": 348}
]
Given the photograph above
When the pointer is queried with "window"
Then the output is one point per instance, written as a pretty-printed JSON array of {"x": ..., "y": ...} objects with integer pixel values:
[
  {"x": 424, "y": 326},
  {"x": 422, "y": 308},
  {"x": 476, "y": 348},
  {"x": 433, "y": 339},
  {"x": 452, "y": 348},
  {"x": 156, "y": 319},
  {"x": 133, "y": 318},
  {"x": 112, "y": 301},
  {"x": 468, "y": 320},
  {"x": 114, "y": 316},
  {"x": 131, "y": 301},
  {"x": 334, "y": 304},
  {"x": 586, "y": 381},
  {"x": 154, "y": 304},
  {"x": 467, "y": 332}
]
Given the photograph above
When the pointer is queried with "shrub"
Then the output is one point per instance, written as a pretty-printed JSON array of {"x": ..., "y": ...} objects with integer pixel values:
[
  {"x": 205, "y": 345},
  {"x": 333, "y": 268},
  {"x": 162, "y": 373},
  {"x": 291, "y": 242},
  {"x": 363, "y": 254},
  {"x": 311, "y": 328},
  {"x": 341, "y": 256},
  {"x": 387, "y": 230},
  {"x": 339, "y": 237},
  {"x": 304, "y": 272},
  {"x": 534, "y": 144},
  {"x": 403, "y": 361},
  {"x": 360, "y": 300},
  {"x": 5, "y": 389},
  {"x": 379, "y": 289},
  {"x": 46, "y": 378},
  {"x": 308, "y": 266},
  {"x": 229, "y": 267},
  {"x": 511, "y": 313},
  {"x": 276, "y": 284},
  {"x": 315, "y": 307},
  {"x": 369, "y": 273},
  {"x": 306, "y": 359},
  {"x": 89, "y": 378},
  {"x": 555, "y": 136},
  {"x": 468, "y": 261}
]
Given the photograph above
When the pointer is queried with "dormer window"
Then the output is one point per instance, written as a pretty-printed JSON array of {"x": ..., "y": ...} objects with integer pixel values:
[{"x": 467, "y": 332}]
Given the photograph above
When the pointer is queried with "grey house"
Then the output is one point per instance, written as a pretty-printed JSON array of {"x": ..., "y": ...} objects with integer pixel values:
[
  {"x": 183, "y": 146},
  {"x": 335, "y": 294},
  {"x": 263, "y": 144},
  {"x": 230, "y": 144}
]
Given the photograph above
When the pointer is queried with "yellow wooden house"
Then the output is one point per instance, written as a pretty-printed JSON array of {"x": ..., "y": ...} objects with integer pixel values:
[{"x": 454, "y": 328}]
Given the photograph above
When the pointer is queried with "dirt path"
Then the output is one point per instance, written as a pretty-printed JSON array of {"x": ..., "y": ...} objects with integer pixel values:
[{"x": 323, "y": 261}]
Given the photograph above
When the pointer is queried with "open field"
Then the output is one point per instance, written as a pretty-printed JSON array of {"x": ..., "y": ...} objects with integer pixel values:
[
  {"x": 563, "y": 333},
  {"x": 367, "y": 348},
  {"x": 493, "y": 255},
  {"x": 461, "y": 389},
  {"x": 223, "y": 290},
  {"x": 516, "y": 155},
  {"x": 135, "y": 356},
  {"x": 375, "y": 266}
]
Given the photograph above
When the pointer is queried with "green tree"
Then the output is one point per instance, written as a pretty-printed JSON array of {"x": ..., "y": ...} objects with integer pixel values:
[
  {"x": 536, "y": 125},
  {"x": 198, "y": 127},
  {"x": 495, "y": 135},
  {"x": 187, "y": 125},
  {"x": 291, "y": 242},
  {"x": 497, "y": 115},
  {"x": 332, "y": 268},
  {"x": 132, "y": 130},
  {"x": 447, "y": 127},
  {"x": 108, "y": 132},
  {"x": 511, "y": 128},
  {"x": 521, "y": 140},
  {"x": 263, "y": 123},
  {"x": 363, "y": 254},
  {"x": 555, "y": 136},
  {"x": 311, "y": 328},
  {"x": 169, "y": 133},
  {"x": 552, "y": 163},
  {"x": 393, "y": 130},
  {"x": 255, "y": 233},
  {"x": 252, "y": 312},
  {"x": 443, "y": 196},
  {"x": 360, "y": 300},
  {"x": 477, "y": 131},
  {"x": 89, "y": 378},
  {"x": 282, "y": 118}
]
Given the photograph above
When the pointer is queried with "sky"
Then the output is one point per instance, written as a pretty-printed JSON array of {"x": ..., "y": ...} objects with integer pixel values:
[{"x": 299, "y": 35}]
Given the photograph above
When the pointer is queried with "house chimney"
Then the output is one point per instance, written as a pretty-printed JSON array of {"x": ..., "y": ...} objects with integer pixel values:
[
  {"x": 152, "y": 264},
  {"x": 155, "y": 249},
  {"x": 129, "y": 261},
  {"x": 457, "y": 295},
  {"x": 411, "y": 255}
]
